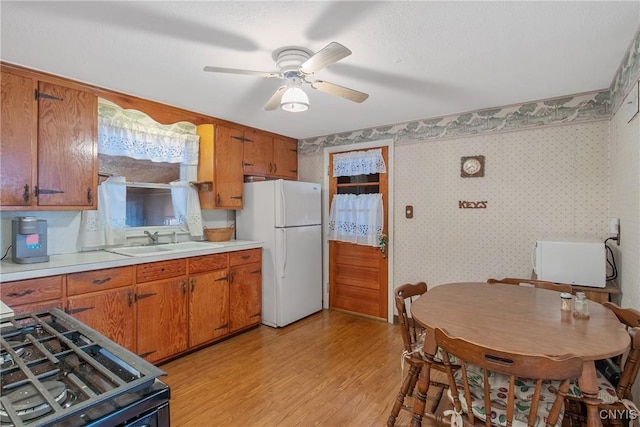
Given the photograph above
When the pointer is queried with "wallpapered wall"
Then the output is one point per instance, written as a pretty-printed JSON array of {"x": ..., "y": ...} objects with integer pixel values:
[
  {"x": 554, "y": 166},
  {"x": 537, "y": 182}
]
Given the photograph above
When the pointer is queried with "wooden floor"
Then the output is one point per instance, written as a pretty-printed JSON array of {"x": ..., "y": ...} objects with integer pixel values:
[{"x": 330, "y": 369}]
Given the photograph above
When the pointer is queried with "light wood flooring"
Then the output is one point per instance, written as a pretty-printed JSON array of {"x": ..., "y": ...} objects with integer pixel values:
[{"x": 330, "y": 369}]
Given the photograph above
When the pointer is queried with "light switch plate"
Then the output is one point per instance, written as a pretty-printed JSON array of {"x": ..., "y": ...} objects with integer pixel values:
[{"x": 630, "y": 103}]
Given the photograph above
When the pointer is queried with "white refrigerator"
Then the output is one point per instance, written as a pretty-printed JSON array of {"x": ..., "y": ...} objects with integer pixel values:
[{"x": 286, "y": 217}]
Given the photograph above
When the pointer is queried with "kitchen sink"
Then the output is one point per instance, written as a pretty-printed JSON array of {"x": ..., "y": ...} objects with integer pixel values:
[{"x": 163, "y": 248}]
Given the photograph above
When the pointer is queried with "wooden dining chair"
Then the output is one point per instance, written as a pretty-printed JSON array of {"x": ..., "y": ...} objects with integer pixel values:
[
  {"x": 542, "y": 284},
  {"x": 494, "y": 387},
  {"x": 614, "y": 399},
  {"x": 412, "y": 354}
]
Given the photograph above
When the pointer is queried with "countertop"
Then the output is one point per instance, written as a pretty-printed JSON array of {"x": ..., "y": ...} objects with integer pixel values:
[{"x": 95, "y": 260}]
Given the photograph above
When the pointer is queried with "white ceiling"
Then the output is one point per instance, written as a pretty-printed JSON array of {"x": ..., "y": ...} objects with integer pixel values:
[{"x": 416, "y": 59}]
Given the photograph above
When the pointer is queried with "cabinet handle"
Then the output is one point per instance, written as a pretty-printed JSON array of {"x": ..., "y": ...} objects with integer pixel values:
[
  {"x": 246, "y": 256},
  {"x": 256, "y": 272},
  {"x": 231, "y": 274},
  {"x": 221, "y": 327},
  {"x": 89, "y": 196},
  {"x": 25, "y": 193},
  {"x": 138, "y": 297},
  {"x": 184, "y": 287},
  {"x": 237, "y": 197},
  {"x": 270, "y": 167},
  {"x": 100, "y": 281},
  {"x": 238, "y": 138},
  {"x": 293, "y": 170},
  {"x": 275, "y": 167},
  {"x": 131, "y": 299},
  {"x": 78, "y": 310},
  {"x": 20, "y": 294},
  {"x": 247, "y": 164},
  {"x": 218, "y": 199},
  {"x": 193, "y": 284},
  {"x": 221, "y": 279}
]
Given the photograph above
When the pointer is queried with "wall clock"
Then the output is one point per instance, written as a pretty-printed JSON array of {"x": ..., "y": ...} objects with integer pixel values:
[{"x": 472, "y": 166}]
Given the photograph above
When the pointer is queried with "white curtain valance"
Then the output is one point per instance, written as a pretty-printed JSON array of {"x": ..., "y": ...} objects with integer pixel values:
[
  {"x": 121, "y": 138},
  {"x": 356, "y": 218},
  {"x": 359, "y": 163}
]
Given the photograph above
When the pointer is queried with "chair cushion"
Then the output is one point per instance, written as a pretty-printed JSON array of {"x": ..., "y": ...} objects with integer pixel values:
[
  {"x": 499, "y": 388},
  {"x": 606, "y": 391},
  {"x": 418, "y": 347}
]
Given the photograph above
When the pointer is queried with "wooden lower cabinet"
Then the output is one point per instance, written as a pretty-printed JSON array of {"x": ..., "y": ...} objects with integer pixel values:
[
  {"x": 162, "y": 327},
  {"x": 245, "y": 296},
  {"x": 104, "y": 300},
  {"x": 111, "y": 313},
  {"x": 208, "y": 307},
  {"x": 26, "y": 296}
]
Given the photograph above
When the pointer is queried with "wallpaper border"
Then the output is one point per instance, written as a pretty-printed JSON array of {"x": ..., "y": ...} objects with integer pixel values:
[{"x": 591, "y": 106}]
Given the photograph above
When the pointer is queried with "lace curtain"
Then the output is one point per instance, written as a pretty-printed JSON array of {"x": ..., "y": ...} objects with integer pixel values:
[
  {"x": 186, "y": 206},
  {"x": 359, "y": 163},
  {"x": 106, "y": 226},
  {"x": 356, "y": 218},
  {"x": 122, "y": 138}
]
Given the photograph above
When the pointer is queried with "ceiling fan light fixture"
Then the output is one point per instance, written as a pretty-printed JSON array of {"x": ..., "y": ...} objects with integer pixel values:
[{"x": 294, "y": 100}]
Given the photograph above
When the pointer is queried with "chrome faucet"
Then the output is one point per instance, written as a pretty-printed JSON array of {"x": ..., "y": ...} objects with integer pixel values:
[{"x": 153, "y": 237}]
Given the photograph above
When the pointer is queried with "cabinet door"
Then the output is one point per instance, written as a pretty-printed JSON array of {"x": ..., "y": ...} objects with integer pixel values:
[
  {"x": 17, "y": 142},
  {"x": 67, "y": 146},
  {"x": 162, "y": 319},
  {"x": 228, "y": 173},
  {"x": 110, "y": 313},
  {"x": 285, "y": 158},
  {"x": 258, "y": 153},
  {"x": 245, "y": 296},
  {"x": 208, "y": 307}
]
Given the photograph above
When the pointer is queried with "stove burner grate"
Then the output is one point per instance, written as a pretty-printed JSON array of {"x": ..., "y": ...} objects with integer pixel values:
[{"x": 29, "y": 403}]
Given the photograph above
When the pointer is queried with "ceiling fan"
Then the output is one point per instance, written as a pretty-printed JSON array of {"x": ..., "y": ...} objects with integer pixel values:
[{"x": 295, "y": 65}]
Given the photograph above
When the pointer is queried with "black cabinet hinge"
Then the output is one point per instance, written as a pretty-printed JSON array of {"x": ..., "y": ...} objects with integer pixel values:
[{"x": 41, "y": 95}]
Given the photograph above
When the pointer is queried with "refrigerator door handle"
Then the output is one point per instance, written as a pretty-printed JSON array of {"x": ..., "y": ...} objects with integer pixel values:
[
  {"x": 283, "y": 267},
  {"x": 283, "y": 206}
]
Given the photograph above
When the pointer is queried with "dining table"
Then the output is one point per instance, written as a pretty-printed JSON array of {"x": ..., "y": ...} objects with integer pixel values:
[{"x": 519, "y": 319}]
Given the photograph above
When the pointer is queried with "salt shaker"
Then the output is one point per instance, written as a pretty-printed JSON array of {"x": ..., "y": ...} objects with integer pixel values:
[
  {"x": 565, "y": 301},
  {"x": 581, "y": 306}
]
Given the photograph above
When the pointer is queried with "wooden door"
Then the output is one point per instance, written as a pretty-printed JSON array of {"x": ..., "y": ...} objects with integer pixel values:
[
  {"x": 162, "y": 319},
  {"x": 17, "y": 142},
  {"x": 208, "y": 307},
  {"x": 110, "y": 313},
  {"x": 228, "y": 172},
  {"x": 285, "y": 158},
  {"x": 258, "y": 153},
  {"x": 358, "y": 275},
  {"x": 67, "y": 146},
  {"x": 245, "y": 295}
]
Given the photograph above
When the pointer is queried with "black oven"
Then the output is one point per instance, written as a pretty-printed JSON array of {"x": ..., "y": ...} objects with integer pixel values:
[{"x": 56, "y": 371}]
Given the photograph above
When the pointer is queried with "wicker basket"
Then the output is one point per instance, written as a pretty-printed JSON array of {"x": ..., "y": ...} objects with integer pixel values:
[{"x": 218, "y": 234}]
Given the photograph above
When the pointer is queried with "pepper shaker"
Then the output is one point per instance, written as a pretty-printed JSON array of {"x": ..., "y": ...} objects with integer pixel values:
[
  {"x": 565, "y": 301},
  {"x": 581, "y": 306}
]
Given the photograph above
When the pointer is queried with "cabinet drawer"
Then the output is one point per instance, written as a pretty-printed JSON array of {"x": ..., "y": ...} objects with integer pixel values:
[
  {"x": 31, "y": 291},
  {"x": 99, "y": 280},
  {"x": 245, "y": 257},
  {"x": 161, "y": 270},
  {"x": 37, "y": 306},
  {"x": 208, "y": 263}
]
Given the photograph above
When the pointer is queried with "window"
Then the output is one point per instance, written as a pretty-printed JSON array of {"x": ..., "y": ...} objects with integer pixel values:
[{"x": 149, "y": 205}]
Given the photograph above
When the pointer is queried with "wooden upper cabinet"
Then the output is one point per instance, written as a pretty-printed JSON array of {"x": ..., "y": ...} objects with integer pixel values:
[
  {"x": 49, "y": 145},
  {"x": 285, "y": 158},
  {"x": 220, "y": 162},
  {"x": 258, "y": 154},
  {"x": 67, "y": 146},
  {"x": 17, "y": 143},
  {"x": 273, "y": 157}
]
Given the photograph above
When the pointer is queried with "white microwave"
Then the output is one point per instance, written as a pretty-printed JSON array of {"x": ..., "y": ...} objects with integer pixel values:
[{"x": 575, "y": 261}]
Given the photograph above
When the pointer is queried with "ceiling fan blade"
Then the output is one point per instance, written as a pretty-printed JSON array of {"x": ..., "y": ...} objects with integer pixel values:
[
  {"x": 328, "y": 55},
  {"x": 268, "y": 75},
  {"x": 345, "y": 92},
  {"x": 274, "y": 102}
]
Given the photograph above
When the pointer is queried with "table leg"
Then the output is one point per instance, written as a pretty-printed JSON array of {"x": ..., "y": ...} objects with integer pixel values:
[{"x": 589, "y": 388}]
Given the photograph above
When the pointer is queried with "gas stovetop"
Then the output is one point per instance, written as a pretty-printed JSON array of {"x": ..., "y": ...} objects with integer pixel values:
[{"x": 54, "y": 368}]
